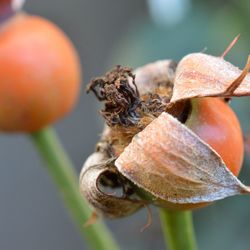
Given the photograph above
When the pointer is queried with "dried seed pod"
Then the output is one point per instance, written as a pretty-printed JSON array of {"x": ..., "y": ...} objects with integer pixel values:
[
  {"x": 172, "y": 166},
  {"x": 169, "y": 161},
  {"x": 96, "y": 168},
  {"x": 200, "y": 75}
]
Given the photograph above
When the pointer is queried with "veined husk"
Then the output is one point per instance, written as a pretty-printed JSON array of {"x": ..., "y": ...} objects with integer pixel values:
[
  {"x": 169, "y": 161},
  {"x": 150, "y": 76},
  {"x": 201, "y": 75}
]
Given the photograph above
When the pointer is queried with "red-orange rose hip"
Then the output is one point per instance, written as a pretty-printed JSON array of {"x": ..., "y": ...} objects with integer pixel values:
[
  {"x": 39, "y": 73},
  {"x": 215, "y": 123}
]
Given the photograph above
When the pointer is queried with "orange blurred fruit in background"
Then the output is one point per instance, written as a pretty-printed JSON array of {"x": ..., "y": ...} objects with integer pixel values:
[{"x": 40, "y": 73}]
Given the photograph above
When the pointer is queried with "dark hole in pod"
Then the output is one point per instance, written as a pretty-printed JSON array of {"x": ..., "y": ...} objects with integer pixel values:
[
  {"x": 180, "y": 110},
  {"x": 114, "y": 184}
]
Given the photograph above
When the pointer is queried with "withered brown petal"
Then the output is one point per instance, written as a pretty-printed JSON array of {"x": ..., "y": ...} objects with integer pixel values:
[
  {"x": 150, "y": 76},
  {"x": 168, "y": 160},
  {"x": 110, "y": 205},
  {"x": 200, "y": 75}
]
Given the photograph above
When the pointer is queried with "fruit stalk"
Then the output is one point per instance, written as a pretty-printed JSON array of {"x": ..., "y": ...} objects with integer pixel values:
[
  {"x": 63, "y": 174},
  {"x": 178, "y": 229}
]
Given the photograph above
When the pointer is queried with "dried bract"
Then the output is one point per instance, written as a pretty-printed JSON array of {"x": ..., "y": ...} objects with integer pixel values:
[
  {"x": 156, "y": 77},
  {"x": 97, "y": 167},
  {"x": 168, "y": 160},
  {"x": 200, "y": 75}
]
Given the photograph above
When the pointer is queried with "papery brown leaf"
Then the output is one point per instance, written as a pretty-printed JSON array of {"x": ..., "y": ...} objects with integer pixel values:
[
  {"x": 152, "y": 75},
  {"x": 200, "y": 75},
  {"x": 109, "y": 204},
  {"x": 168, "y": 160}
]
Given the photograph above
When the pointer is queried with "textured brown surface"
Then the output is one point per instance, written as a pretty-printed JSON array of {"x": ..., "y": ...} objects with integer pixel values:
[
  {"x": 171, "y": 162},
  {"x": 109, "y": 204},
  {"x": 199, "y": 75}
]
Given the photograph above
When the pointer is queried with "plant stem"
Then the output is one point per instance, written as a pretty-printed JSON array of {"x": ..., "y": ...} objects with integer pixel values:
[
  {"x": 178, "y": 230},
  {"x": 63, "y": 174}
]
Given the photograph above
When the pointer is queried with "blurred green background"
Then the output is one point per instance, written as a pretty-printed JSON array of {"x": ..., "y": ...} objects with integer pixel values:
[{"x": 132, "y": 33}]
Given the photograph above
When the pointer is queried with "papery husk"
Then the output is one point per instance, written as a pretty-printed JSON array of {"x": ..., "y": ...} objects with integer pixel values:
[
  {"x": 155, "y": 77},
  {"x": 201, "y": 75},
  {"x": 173, "y": 164},
  {"x": 110, "y": 205}
]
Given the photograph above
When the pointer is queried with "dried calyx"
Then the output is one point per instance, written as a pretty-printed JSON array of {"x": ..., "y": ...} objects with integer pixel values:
[{"x": 145, "y": 143}]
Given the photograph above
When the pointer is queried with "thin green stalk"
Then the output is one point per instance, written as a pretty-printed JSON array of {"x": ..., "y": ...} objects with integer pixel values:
[
  {"x": 178, "y": 230},
  {"x": 63, "y": 174}
]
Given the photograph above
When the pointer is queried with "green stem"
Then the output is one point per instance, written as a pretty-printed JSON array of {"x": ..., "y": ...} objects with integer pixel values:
[
  {"x": 178, "y": 229},
  {"x": 63, "y": 174}
]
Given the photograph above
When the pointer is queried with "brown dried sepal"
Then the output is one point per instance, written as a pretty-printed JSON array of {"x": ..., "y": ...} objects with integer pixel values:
[
  {"x": 201, "y": 75},
  {"x": 156, "y": 77},
  {"x": 98, "y": 171},
  {"x": 169, "y": 161}
]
